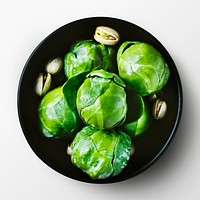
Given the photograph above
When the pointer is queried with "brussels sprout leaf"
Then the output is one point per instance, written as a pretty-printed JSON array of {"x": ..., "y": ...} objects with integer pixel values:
[
  {"x": 70, "y": 89},
  {"x": 135, "y": 106}
]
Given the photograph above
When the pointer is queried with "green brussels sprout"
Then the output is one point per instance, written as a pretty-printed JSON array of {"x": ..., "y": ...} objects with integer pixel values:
[
  {"x": 55, "y": 116},
  {"x": 101, "y": 100},
  {"x": 88, "y": 55},
  {"x": 100, "y": 153},
  {"x": 136, "y": 127},
  {"x": 142, "y": 67}
]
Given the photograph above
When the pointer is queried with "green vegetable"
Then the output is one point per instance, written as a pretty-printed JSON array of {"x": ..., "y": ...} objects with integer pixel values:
[
  {"x": 101, "y": 100},
  {"x": 88, "y": 55},
  {"x": 71, "y": 87},
  {"x": 100, "y": 153},
  {"x": 136, "y": 126},
  {"x": 142, "y": 67},
  {"x": 56, "y": 117}
]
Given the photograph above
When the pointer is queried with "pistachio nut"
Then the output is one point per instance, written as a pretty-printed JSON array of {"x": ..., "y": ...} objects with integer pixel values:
[
  {"x": 69, "y": 150},
  {"x": 106, "y": 35},
  {"x": 132, "y": 149},
  {"x": 54, "y": 66},
  {"x": 43, "y": 84},
  {"x": 159, "y": 109}
]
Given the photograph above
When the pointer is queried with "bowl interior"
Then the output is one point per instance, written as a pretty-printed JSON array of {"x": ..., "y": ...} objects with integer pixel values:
[{"x": 149, "y": 146}]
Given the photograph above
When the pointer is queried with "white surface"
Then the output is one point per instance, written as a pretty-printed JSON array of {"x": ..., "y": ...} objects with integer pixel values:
[{"x": 24, "y": 24}]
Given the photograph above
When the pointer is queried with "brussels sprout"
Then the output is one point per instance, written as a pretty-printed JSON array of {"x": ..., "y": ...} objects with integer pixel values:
[
  {"x": 56, "y": 117},
  {"x": 101, "y": 100},
  {"x": 142, "y": 67},
  {"x": 88, "y": 55},
  {"x": 136, "y": 127},
  {"x": 100, "y": 153}
]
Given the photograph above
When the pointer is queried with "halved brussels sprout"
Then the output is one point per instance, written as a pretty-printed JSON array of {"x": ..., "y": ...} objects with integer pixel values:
[
  {"x": 88, "y": 55},
  {"x": 56, "y": 117},
  {"x": 100, "y": 153},
  {"x": 142, "y": 67},
  {"x": 101, "y": 100}
]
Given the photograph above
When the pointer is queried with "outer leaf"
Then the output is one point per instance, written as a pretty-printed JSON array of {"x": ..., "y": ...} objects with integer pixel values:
[
  {"x": 107, "y": 75},
  {"x": 137, "y": 127},
  {"x": 90, "y": 90},
  {"x": 123, "y": 47},
  {"x": 108, "y": 110},
  {"x": 135, "y": 106},
  {"x": 121, "y": 153},
  {"x": 71, "y": 87}
]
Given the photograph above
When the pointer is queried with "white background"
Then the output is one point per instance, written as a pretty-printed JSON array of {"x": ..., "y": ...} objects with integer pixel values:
[{"x": 24, "y": 24}]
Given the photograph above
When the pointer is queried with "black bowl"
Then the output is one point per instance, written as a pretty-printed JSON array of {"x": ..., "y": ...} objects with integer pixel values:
[{"x": 149, "y": 146}]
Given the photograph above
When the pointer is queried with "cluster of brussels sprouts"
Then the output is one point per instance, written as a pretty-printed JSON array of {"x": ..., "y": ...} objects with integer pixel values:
[{"x": 93, "y": 105}]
